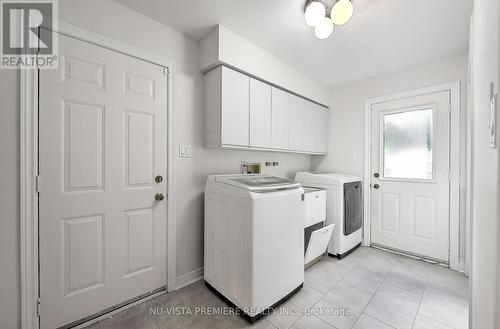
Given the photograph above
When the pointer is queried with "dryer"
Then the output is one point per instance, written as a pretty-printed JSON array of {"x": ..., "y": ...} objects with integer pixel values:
[
  {"x": 254, "y": 240},
  {"x": 344, "y": 208}
]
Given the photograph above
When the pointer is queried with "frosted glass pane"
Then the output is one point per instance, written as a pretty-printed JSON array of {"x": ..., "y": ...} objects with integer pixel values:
[{"x": 407, "y": 150}]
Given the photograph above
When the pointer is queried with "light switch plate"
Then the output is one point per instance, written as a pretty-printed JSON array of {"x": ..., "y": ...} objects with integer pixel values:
[
  {"x": 184, "y": 151},
  {"x": 492, "y": 129}
]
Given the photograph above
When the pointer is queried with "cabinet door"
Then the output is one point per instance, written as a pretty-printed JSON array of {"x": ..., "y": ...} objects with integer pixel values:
[
  {"x": 310, "y": 126},
  {"x": 322, "y": 122},
  {"x": 260, "y": 114},
  {"x": 297, "y": 132},
  {"x": 280, "y": 119},
  {"x": 235, "y": 108}
]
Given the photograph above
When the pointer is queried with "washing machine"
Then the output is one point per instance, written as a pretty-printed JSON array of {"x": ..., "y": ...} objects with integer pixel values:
[
  {"x": 344, "y": 208},
  {"x": 254, "y": 241}
]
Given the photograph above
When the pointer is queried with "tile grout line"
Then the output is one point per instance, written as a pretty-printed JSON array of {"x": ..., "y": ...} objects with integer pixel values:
[
  {"x": 368, "y": 315},
  {"x": 422, "y": 297},
  {"x": 156, "y": 323},
  {"x": 432, "y": 319},
  {"x": 376, "y": 291},
  {"x": 328, "y": 291},
  {"x": 373, "y": 295}
]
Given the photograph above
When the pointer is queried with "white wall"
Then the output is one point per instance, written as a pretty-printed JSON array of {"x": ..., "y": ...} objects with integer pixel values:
[
  {"x": 117, "y": 22},
  {"x": 346, "y": 128},
  {"x": 485, "y": 65},
  {"x": 9, "y": 200}
]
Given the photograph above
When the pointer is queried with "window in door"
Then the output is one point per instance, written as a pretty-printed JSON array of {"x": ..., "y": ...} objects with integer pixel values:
[{"x": 407, "y": 151}]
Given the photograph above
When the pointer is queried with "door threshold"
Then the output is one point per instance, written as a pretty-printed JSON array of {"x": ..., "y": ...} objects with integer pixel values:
[
  {"x": 110, "y": 311},
  {"x": 410, "y": 255}
]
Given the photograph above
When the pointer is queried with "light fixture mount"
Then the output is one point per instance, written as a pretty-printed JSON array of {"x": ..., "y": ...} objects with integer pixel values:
[{"x": 320, "y": 14}]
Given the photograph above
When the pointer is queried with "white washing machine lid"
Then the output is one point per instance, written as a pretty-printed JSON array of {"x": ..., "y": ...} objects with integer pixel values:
[
  {"x": 318, "y": 178},
  {"x": 257, "y": 182}
]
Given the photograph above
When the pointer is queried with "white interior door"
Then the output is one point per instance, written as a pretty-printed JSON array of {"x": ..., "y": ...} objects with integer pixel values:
[
  {"x": 102, "y": 141},
  {"x": 410, "y": 175}
]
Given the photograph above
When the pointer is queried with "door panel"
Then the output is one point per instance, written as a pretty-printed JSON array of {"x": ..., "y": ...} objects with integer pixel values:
[
  {"x": 424, "y": 217},
  {"x": 138, "y": 148},
  {"x": 83, "y": 137},
  {"x": 389, "y": 212},
  {"x": 87, "y": 273},
  {"x": 102, "y": 140},
  {"x": 410, "y": 154},
  {"x": 139, "y": 238}
]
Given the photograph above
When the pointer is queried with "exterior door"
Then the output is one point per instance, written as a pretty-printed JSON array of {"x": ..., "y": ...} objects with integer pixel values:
[
  {"x": 102, "y": 141},
  {"x": 410, "y": 175}
]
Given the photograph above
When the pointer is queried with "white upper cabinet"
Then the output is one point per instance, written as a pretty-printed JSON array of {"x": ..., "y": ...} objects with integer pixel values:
[
  {"x": 235, "y": 108},
  {"x": 322, "y": 121},
  {"x": 243, "y": 112},
  {"x": 297, "y": 133},
  {"x": 280, "y": 119},
  {"x": 310, "y": 123},
  {"x": 260, "y": 114}
]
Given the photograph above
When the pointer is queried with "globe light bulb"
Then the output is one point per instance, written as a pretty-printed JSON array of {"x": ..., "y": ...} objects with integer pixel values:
[
  {"x": 342, "y": 12},
  {"x": 315, "y": 12},
  {"x": 324, "y": 29}
]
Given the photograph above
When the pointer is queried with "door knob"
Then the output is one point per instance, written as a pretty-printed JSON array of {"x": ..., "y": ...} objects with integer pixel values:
[
  {"x": 159, "y": 197},
  {"x": 376, "y": 186},
  {"x": 158, "y": 179}
]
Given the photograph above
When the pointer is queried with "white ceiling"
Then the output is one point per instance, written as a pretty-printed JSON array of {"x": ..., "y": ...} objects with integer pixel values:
[{"x": 383, "y": 35}]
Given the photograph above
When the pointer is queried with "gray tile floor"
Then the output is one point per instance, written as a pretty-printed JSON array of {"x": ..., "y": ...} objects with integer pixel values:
[{"x": 369, "y": 289}]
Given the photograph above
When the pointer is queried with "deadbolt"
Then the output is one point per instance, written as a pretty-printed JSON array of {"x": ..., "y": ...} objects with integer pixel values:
[
  {"x": 159, "y": 197},
  {"x": 376, "y": 175},
  {"x": 376, "y": 186},
  {"x": 158, "y": 179}
]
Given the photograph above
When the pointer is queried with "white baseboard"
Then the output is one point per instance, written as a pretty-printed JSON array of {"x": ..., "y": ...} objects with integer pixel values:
[
  {"x": 189, "y": 278},
  {"x": 462, "y": 267}
]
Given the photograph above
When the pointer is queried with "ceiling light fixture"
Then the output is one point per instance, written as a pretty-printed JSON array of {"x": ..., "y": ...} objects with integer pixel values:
[{"x": 315, "y": 15}]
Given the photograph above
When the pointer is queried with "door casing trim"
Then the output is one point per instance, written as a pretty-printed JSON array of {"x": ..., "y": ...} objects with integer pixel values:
[
  {"x": 454, "y": 235},
  {"x": 29, "y": 169}
]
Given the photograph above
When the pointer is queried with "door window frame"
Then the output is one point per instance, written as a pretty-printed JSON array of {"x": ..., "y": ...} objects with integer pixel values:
[
  {"x": 382, "y": 140},
  {"x": 454, "y": 175}
]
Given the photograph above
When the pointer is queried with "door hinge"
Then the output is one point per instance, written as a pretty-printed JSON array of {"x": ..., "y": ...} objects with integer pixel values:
[
  {"x": 449, "y": 176},
  {"x": 166, "y": 70},
  {"x": 38, "y": 183},
  {"x": 38, "y": 306}
]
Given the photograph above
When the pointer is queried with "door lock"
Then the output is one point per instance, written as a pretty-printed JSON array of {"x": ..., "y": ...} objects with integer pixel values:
[
  {"x": 376, "y": 175},
  {"x": 376, "y": 186},
  {"x": 159, "y": 197},
  {"x": 158, "y": 179}
]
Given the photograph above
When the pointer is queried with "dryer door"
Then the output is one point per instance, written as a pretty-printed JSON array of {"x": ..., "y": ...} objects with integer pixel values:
[{"x": 353, "y": 214}]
